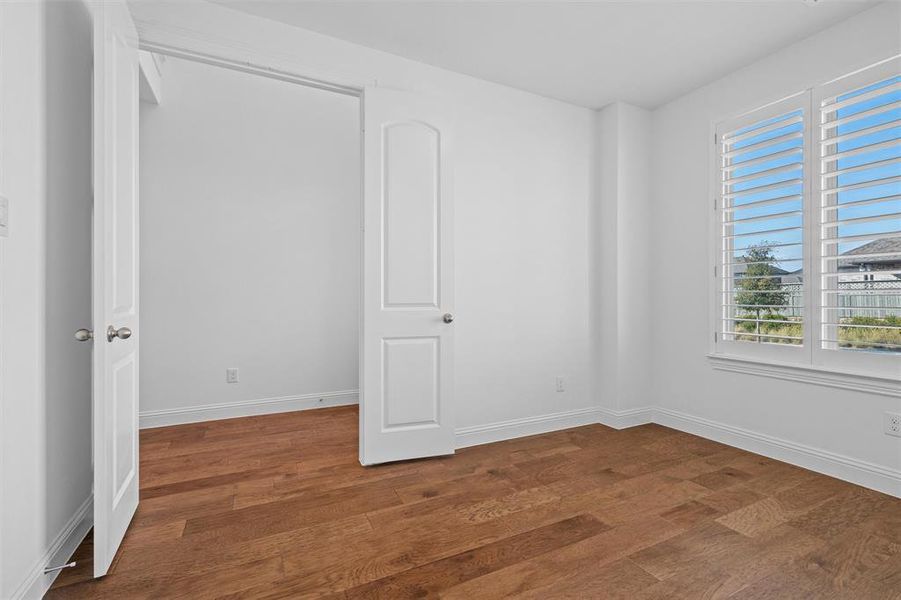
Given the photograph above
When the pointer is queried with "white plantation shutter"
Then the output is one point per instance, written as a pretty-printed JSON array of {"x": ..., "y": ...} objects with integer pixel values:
[
  {"x": 760, "y": 201},
  {"x": 858, "y": 210}
]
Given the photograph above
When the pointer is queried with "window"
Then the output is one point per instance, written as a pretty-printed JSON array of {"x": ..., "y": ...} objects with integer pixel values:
[
  {"x": 808, "y": 227},
  {"x": 761, "y": 198}
]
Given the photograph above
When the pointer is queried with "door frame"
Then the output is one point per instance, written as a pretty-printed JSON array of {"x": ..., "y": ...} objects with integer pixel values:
[{"x": 189, "y": 45}]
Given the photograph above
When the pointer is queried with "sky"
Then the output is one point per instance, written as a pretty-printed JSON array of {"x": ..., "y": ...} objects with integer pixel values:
[{"x": 879, "y": 170}]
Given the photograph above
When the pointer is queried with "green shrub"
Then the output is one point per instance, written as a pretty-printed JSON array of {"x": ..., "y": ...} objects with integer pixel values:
[
  {"x": 769, "y": 328},
  {"x": 891, "y": 321},
  {"x": 872, "y": 336},
  {"x": 877, "y": 334}
]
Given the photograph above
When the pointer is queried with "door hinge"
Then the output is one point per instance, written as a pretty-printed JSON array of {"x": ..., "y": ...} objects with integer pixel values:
[
  {"x": 714, "y": 337},
  {"x": 714, "y": 139}
]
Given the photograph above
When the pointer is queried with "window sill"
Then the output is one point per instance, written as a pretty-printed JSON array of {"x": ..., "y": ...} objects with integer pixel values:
[{"x": 859, "y": 382}]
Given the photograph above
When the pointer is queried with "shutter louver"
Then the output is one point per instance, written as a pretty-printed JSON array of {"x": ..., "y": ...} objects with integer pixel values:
[
  {"x": 860, "y": 218},
  {"x": 760, "y": 279}
]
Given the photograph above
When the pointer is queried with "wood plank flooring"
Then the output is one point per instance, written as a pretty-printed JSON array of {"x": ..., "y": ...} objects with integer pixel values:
[{"x": 277, "y": 506}]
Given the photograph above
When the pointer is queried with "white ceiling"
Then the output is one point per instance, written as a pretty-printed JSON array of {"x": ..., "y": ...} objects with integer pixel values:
[{"x": 587, "y": 53}]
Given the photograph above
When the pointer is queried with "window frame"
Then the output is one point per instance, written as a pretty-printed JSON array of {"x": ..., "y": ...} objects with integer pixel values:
[
  {"x": 824, "y": 357},
  {"x": 810, "y": 356},
  {"x": 783, "y": 353}
]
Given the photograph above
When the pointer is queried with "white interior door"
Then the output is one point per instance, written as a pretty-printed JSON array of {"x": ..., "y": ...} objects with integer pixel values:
[
  {"x": 406, "y": 390},
  {"x": 115, "y": 278}
]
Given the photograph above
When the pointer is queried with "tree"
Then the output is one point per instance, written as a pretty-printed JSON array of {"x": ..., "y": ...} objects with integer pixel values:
[{"x": 760, "y": 286}]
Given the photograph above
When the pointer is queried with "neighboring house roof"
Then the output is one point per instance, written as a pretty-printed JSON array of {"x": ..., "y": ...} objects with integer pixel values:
[{"x": 890, "y": 247}]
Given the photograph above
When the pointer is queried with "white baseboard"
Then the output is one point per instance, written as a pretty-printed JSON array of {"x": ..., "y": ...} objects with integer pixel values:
[
  {"x": 245, "y": 408},
  {"x": 64, "y": 545},
  {"x": 514, "y": 428},
  {"x": 621, "y": 419},
  {"x": 869, "y": 475}
]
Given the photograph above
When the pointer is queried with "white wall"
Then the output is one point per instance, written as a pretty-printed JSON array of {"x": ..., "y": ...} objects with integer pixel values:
[
  {"x": 842, "y": 422},
  {"x": 622, "y": 257},
  {"x": 522, "y": 184},
  {"x": 44, "y": 410},
  {"x": 22, "y": 328},
  {"x": 637, "y": 296},
  {"x": 603, "y": 260},
  {"x": 67, "y": 368},
  {"x": 250, "y": 254}
]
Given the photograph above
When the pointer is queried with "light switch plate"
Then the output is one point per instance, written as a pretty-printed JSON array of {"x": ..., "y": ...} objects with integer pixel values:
[{"x": 4, "y": 216}]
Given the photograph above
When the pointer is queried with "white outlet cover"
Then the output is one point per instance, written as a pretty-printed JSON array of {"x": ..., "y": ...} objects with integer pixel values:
[{"x": 892, "y": 424}]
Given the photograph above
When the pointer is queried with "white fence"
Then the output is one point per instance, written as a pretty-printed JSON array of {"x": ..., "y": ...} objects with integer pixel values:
[{"x": 863, "y": 299}]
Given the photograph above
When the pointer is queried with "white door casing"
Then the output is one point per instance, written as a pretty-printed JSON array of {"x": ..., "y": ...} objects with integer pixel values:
[
  {"x": 115, "y": 277},
  {"x": 406, "y": 386}
]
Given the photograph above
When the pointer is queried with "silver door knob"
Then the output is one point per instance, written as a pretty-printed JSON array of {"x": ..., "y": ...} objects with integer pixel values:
[
  {"x": 123, "y": 333},
  {"x": 83, "y": 335},
  {"x": 448, "y": 318}
]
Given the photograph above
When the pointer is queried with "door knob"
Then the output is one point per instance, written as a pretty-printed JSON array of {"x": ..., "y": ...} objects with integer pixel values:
[
  {"x": 123, "y": 333},
  {"x": 83, "y": 335},
  {"x": 448, "y": 318}
]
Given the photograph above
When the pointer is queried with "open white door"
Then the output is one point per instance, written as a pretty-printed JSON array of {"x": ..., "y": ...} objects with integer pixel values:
[
  {"x": 406, "y": 384},
  {"x": 115, "y": 278}
]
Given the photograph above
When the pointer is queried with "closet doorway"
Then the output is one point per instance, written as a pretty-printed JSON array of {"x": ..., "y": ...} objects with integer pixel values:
[{"x": 250, "y": 243}]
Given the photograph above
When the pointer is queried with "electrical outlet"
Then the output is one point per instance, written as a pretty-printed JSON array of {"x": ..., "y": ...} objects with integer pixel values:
[
  {"x": 561, "y": 383},
  {"x": 892, "y": 424},
  {"x": 231, "y": 376}
]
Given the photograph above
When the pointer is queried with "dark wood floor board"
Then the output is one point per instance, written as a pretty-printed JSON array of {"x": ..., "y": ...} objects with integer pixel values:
[
  {"x": 751, "y": 559},
  {"x": 438, "y": 503},
  {"x": 260, "y": 520},
  {"x": 721, "y": 478},
  {"x": 731, "y": 499},
  {"x": 350, "y": 473},
  {"x": 181, "y": 507},
  {"x": 689, "y": 513},
  {"x": 684, "y": 444},
  {"x": 429, "y": 540},
  {"x": 188, "y": 554},
  {"x": 433, "y": 577},
  {"x": 687, "y": 468},
  {"x": 278, "y": 506},
  {"x": 432, "y": 537},
  {"x": 757, "y": 517},
  {"x": 573, "y": 563},
  {"x": 258, "y": 492},
  {"x": 233, "y": 446},
  {"x": 856, "y": 555},
  {"x": 842, "y": 512},
  {"x": 229, "y": 480},
  {"x": 172, "y": 473},
  {"x": 705, "y": 543},
  {"x": 645, "y": 495},
  {"x": 789, "y": 503},
  {"x": 172, "y": 434},
  {"x": 803, "y": 582},
  {"x": 775, "y": 478}
]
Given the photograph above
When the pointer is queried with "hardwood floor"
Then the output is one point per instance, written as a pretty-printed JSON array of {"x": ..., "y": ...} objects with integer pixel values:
[{"x": 277, "y": 506}]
